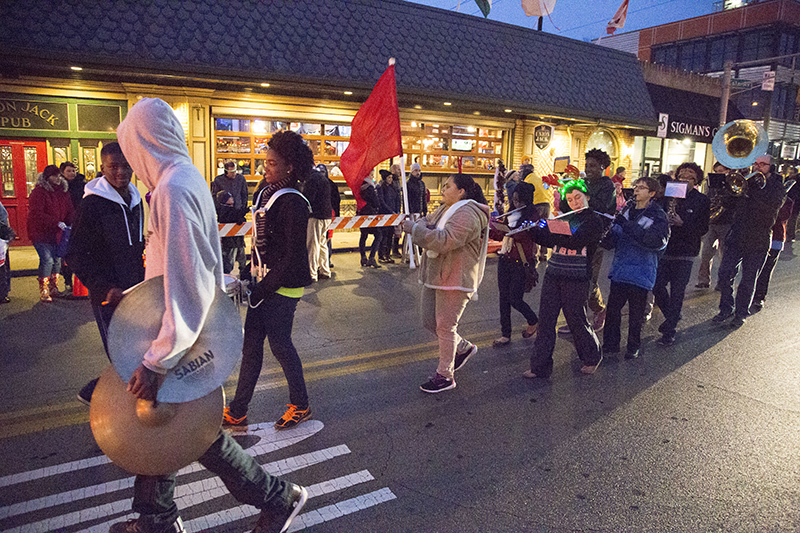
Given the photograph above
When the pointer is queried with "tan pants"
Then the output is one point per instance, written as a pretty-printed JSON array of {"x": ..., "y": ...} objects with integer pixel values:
[
  {"x": 316, "y": 241},
  {"x": 441, "y": 311},
  {"x": 595, "y": 297}
]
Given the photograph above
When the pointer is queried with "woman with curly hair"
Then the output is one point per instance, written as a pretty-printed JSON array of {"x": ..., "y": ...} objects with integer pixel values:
[
  {"x": 454, "y": 237},
  {"x": 280, "y": 271}
]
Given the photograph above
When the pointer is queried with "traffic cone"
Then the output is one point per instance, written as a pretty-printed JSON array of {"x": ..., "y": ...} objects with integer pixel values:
[{"x": 78, "y": 289}]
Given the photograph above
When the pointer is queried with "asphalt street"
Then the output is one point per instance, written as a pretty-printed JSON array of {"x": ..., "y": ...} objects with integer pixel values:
[{"x": 701, "y": 436}]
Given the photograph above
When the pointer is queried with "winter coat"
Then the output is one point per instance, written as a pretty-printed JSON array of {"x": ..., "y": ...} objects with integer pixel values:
[
  {"x": 75, "y": 188},
  {"x": 459, "y": 246},
  {"x": 529, "y": 248},
  {"x": 389, "y": 199},
  {"x": 372, "y": 204},
  {"x": 107, "y": 240},
  {"x": 572, "y": 254},
  {"x": 416, "y": 196},
  {"x": 602, "y": 196},
  {"x": 47, "y": 206},
  {"x": 755, "y": 215},
  {"x": 336, "y": 199},
  {"x": 316, "y": 189},
  {"x": 236, "y": 186},
  {"x": 694, "y": 210},
  {"x": 183, "y": 243},
  {"x": 638, "y": 240}
]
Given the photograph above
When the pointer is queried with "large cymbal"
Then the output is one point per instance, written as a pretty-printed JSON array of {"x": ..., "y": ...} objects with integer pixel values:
[
  {"x": 203, "y": 368},
  {"x": 152, "y": 441}
]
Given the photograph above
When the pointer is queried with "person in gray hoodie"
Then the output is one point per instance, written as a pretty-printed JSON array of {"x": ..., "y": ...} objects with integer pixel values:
[{"x": 183, "y": 246}]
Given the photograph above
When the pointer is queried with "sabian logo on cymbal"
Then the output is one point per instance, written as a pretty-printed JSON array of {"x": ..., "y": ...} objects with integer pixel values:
[{"x": 203, "y": 361}]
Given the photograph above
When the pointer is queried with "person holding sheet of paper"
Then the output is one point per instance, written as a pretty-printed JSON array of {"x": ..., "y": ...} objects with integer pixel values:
[
  {"x": 638, "y": 236},
  {"x": 574, "y": 238},
  {"x": 688, "y": 222}
]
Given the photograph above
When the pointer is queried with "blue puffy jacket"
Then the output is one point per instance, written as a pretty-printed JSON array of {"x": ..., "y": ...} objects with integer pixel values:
[{"x": 638, "y": 240}]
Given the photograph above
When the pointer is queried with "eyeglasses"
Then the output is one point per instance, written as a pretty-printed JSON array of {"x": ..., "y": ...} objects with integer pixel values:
[{"x": 640, "y": 187}]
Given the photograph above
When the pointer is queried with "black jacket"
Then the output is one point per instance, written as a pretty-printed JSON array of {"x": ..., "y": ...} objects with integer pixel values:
[
  {"x": 684, "y": 241},
  {"x": 755, "y": 215},
  {"x": 416, "y": 196},
  {"x": 281, "y": 243},
  {"x": 316, "y": 189},
  {"x": 572, "y": 254},
  {"x": 75, "y": 189},
  {"x": 106, "y": 246},
  {"x": 336, "y": 199},
  {"x": 389, "y": 199},
  {"x": 602, "y": 196},
  {"x": 370, "y": 197}
]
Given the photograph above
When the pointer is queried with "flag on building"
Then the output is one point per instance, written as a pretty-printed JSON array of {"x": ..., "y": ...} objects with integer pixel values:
[
  {"x": 618, "y": 21},
  {"x": 374, "y": 134},
  {"x": 485, "y": 6}
]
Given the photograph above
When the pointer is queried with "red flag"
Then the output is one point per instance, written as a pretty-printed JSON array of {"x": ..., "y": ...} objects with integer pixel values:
[
  {"x": 618, "y": 22},
  {"x": 374, "y": 134}
]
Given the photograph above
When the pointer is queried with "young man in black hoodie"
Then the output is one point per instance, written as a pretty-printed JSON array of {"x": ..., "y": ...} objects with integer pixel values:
[
  {"x": 76, "y": 183},
  {"x": 688, "y": 221},
  {"x": 107, "y": 241}
]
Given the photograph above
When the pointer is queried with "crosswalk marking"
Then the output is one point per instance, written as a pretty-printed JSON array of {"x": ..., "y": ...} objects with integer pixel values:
[{"x": 195, "y": 493}]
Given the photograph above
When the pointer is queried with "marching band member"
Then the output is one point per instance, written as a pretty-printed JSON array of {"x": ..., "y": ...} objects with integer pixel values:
[
  {"x": 688, "y": 221},
  {"x": 638, "y": 235},
  {"x": 567, "y": 282}
]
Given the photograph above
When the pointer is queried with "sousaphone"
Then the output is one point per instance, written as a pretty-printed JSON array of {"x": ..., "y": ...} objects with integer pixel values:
[{"x": 155, "y": 439}]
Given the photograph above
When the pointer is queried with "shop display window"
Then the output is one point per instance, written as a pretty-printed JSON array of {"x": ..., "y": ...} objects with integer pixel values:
[
  {"x": 7, "y": 171},
  {"x": 31, "y": 166},
  {"x": 438, "y": 147},
  {"x": 233, "y": 145},
  {"x": 232, "y": 124}
]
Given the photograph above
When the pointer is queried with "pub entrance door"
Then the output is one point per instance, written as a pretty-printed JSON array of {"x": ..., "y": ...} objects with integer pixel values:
[{"x": 21, "y": 161}]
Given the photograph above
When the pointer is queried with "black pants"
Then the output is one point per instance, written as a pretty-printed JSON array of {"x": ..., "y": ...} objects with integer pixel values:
[
  {"x": 571, "y": 296},
  {"x": 675, "y": 273},
  {"x": 762, "y": 284},
  {"x": 387, "y": 242},
  {"x": 636, "y": 298},
  {"x": 271, "y": 320},
  {"x": 751, "y": 261},
  {"x": 5, "y": 277},
  {"x": 511, "y": 287},
  {"x": 377, "y": 237}
]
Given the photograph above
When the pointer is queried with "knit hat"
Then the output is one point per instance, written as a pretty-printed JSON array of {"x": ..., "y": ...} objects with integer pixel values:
[{"x": 415, "y": 166}]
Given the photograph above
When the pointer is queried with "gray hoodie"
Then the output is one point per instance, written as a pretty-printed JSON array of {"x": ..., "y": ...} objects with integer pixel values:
[{"x": 183, "y": 242}]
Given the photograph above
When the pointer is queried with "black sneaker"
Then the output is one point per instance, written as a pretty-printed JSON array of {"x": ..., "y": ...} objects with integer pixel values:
[
  {"x": 142, "y": 525},
  {"x": 438, "y": 383},
  {"x": 737, "y": 322},
  {"x": 666, "y": 340},
  {"x": 756, "y": 306},
  {"x": 270, "y": 521},
  {"x": 85, "y": 394},
  {"x": 462, "y": 358},
  {"x": 722, "y": 317},
  {"x": 231, "y": 422}
]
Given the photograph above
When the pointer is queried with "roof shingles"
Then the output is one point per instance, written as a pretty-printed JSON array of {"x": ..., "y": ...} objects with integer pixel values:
[{"x": 345, "y": 42}]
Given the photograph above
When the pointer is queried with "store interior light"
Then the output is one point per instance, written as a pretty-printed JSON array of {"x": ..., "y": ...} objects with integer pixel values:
[
  {"x": 476, "y": 112},
  {"x": 348, "y": 93},
  {"x": 687, "y": 141},
  {"x": 508, "y": 110},
  {"x": 413, "y": 124},
  {"x": 447, "y": 103},
  {"x": 417, "y": 106},
  {"x": 755, "y": 103},
  {"x": 76, "y": 68},
  {"x": 265, "y": 84}
]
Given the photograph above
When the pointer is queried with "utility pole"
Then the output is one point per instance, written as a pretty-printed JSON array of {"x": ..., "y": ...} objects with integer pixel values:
[{"x": 726, "y": 93}]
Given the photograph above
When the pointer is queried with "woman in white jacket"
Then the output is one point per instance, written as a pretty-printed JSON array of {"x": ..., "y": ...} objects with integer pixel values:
[{"x": 455, "y": 237}]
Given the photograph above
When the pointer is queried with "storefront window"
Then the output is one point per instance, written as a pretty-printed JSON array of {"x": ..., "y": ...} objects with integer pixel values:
[
  {"x": 89, "y": 163},
  {"x": 30, "y": 167},
  {"x": 233, "y": 145},
  {"x": 7, "y": 171},
  {"x": 604, "y": 141},
  {"x": 438, "y": 147},
  {"x": 60, "y": 156}
]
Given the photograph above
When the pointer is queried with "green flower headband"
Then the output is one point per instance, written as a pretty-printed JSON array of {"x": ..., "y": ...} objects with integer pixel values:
[{"x": 567, "y": 186}]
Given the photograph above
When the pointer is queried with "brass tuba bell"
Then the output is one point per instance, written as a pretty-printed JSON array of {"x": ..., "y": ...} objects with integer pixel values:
[{"x": 737, "y": 145}]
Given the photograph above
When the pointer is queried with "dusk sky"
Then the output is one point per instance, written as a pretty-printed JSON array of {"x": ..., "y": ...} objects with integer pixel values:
[{"x": 585, "y": 19}]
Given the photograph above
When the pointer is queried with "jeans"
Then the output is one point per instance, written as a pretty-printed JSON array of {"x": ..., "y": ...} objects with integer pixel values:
[
  {"x": 271, "y": 320},
  {"x": 377, "y": 238},
  {"x": 712, "y": 241},
  {"x": 441, "y": 311},
  {"x": 49, "y": 263},
  {"x": 569, "y": 295},
  {"x": 675, "y": 273},
  {"x": 636, "y": 298},
  {"x": 764, "y": 277},
  {"x": 751, "y": 261},
  {"x": 242, "y": 475},
  {"x": 233, "y": 250},
  {"x": 511, "y": 286}
]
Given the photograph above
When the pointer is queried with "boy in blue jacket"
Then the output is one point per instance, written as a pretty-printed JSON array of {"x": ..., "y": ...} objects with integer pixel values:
[{"x": 638, "y": 235}]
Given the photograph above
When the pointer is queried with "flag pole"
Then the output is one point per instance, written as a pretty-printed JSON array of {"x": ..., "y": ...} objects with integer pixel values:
[{"x": 407, "y": 240}]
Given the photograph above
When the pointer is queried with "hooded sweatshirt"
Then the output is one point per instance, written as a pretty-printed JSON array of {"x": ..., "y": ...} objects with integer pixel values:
[
  {"x": 183, "y": 242},
  {"x": 107, "y": 241}
]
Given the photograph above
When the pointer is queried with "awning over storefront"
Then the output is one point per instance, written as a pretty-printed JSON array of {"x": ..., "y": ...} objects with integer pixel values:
[{"x": 684, "y": 114}]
